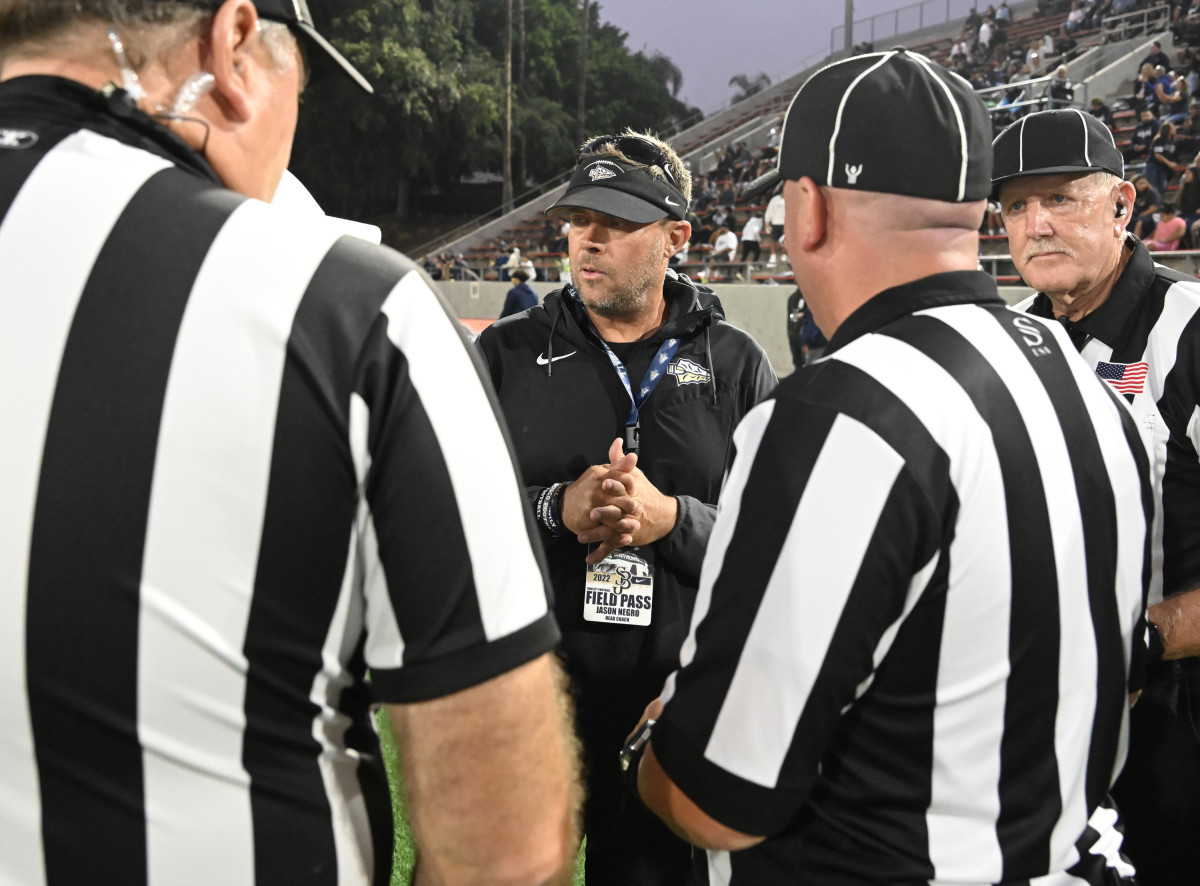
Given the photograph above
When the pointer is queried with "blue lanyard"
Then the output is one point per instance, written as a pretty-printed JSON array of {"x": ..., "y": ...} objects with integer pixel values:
[{"x": 654, "y": 374}]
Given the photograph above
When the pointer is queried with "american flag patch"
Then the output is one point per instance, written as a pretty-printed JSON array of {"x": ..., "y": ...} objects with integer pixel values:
[{"x": 1128, "y": 378}]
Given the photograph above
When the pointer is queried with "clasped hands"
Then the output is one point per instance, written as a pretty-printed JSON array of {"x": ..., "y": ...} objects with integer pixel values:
[{"x": 616, "y": 505}]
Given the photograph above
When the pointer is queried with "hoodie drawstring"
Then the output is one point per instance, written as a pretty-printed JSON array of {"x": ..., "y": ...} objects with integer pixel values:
[{"x": 550, "y": 345}]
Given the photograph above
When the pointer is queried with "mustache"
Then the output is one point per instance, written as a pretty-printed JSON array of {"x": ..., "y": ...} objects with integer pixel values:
[{"x": 1043, "y": 247}]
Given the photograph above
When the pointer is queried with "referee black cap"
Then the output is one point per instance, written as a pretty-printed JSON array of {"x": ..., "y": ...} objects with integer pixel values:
[
  {"x": 893, "y": 122},
  {"x": 295, "y": 14},
  {"x": 1055, "y": 142}
]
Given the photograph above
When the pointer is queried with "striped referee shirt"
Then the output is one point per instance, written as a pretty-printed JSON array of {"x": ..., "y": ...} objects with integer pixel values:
[
  {"x": 1145, "y": 341},
  {"x": 242, "y": 461},
  {"x": 910, "y": 652}
]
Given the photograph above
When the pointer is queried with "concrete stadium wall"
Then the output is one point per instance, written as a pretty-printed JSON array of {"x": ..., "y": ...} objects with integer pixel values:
[{"x": 758, "y": 309}]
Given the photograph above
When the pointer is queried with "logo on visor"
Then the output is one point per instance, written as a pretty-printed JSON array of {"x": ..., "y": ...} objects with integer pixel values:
[{"x": 603, "y": 169}]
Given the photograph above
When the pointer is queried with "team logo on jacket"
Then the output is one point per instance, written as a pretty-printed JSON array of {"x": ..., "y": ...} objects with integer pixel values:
[
  {"x": 17, "y": 139},
  {"x": 689, "y": 372},
  {"x": 603, "y": 169}
]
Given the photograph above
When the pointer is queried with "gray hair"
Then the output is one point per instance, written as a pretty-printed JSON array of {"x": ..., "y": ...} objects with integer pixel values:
[
  {"x": 149, "y": 28},
  {"x": 683, "y": 178}
]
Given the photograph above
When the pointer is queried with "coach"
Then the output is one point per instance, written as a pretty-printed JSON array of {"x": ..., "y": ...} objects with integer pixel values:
[
  {"x": 1137, "y": 324},
  {"x": 217, "y": 418},
  {"x": 632, "y": 351},
  {"x": 880, "y": 684}
]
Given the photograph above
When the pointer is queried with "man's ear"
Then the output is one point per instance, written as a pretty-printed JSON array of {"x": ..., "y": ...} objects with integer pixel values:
[
  {"x": 807, "y": 212},
  {"x": 678, "y": 235},
  {"x": 231, "y": 37}
]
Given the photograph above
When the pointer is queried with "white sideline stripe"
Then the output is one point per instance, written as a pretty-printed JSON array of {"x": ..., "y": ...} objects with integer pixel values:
[
  {"x": 43, "y": 284},
  {"x": 207, "y": 502}
]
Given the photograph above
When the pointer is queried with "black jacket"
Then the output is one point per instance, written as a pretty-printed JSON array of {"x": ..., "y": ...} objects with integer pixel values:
[{"x": 564, "y": 405}]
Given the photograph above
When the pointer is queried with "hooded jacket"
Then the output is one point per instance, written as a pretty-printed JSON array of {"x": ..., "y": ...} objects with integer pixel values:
[{"x": 564, "y": 404}]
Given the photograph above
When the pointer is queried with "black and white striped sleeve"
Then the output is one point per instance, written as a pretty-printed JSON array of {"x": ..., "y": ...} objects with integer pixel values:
[
  {"x": 454, "y": 584},
  {"x": 809, "y": 570}
]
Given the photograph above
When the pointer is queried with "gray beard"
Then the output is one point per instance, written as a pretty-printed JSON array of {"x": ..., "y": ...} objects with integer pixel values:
[{"x": 626, "y": 302}]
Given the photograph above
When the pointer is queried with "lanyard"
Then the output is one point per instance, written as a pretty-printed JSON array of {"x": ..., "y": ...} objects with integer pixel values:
[{"x": 654, "y": 374}]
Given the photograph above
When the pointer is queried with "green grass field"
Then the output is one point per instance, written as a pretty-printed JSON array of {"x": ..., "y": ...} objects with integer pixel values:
[{"x": 405, "y": 855}]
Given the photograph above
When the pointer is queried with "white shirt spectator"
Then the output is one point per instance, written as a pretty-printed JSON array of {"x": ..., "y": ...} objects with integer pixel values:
[
  {"x": 725, "y": 247},
  {"x": 775, "y": 211}
]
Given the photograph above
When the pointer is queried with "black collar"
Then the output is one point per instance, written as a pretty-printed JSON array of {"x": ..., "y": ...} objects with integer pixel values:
[
  {"x": 1112, "y": 322},
  {"x": 59, "y": 101},
  {"x": 935, "y": 291}
]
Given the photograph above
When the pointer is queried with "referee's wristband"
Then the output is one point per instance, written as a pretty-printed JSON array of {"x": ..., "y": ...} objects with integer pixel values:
[{"x": 549, "y": 509}]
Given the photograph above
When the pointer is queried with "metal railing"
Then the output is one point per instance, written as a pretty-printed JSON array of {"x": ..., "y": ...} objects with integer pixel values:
[
  {"x": 906, "y": 20},
  {"x": 1133, "y": 24}
]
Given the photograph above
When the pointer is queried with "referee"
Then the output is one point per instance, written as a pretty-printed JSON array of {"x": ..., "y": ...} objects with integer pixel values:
[
  {"x": 243, "y": 460},
  {"x": 911, "y": 651},
  {"x": 1066, "y": 209}
]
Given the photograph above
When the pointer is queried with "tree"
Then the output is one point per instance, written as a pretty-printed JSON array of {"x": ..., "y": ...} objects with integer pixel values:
[
  {"x": 747, "y": 86},
  {"x": 440, "y": 109}
]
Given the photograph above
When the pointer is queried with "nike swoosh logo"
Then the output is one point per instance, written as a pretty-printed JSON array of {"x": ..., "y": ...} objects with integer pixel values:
[
  {"x": 670, "y": 202},
  {"x": 542, "y": 361}
]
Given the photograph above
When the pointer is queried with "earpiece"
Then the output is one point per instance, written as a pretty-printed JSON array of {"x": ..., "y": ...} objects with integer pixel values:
[{"x": 1121, "y": 210}]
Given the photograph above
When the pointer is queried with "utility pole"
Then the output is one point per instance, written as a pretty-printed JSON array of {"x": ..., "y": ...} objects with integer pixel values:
[
  {"x": 849, "y": 27},
  {"x": 581, "y": 113},
  {"x": 507, "y": 188}
]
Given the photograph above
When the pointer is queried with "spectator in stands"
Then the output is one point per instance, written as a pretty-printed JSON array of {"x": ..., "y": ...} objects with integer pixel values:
[
  {"x": 1003, "y": 13},
  {"x": 1172, "y": 104},
  {"x": 560, "y": 245},
  {"x": 724, "y": 246},
  {"x": 1144, "y": 98},
  {"x": 1060, "y": 92},
  {"x": 973, "y": 19},
  {"x": 681, "y": 255},
  {"x": 1102, "y": 112},
  {"x": 1143, "y": 135},
  {"x": 998, "y": 75},
  {"x": 773, "y": 226},
  {"x": 1075, "y": 18},
  {"x": 1189, "y": 203},
  {"x": 1168, "y": 232},
  {"x": 1187, "y": 133},
  {"x": 751, "y": 232},
  {"x": 771, "y": 146},
  {"x": 720, "y": 217},
  {"x": 1162, "y": 163},
  {"x": 1146, "y": 201},
  {"x": 983, "y": 38},
  {"x": 521, "y": 297},
  {"x": 1156, "y": 58},
  {"x": 993, "y": 220}
]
